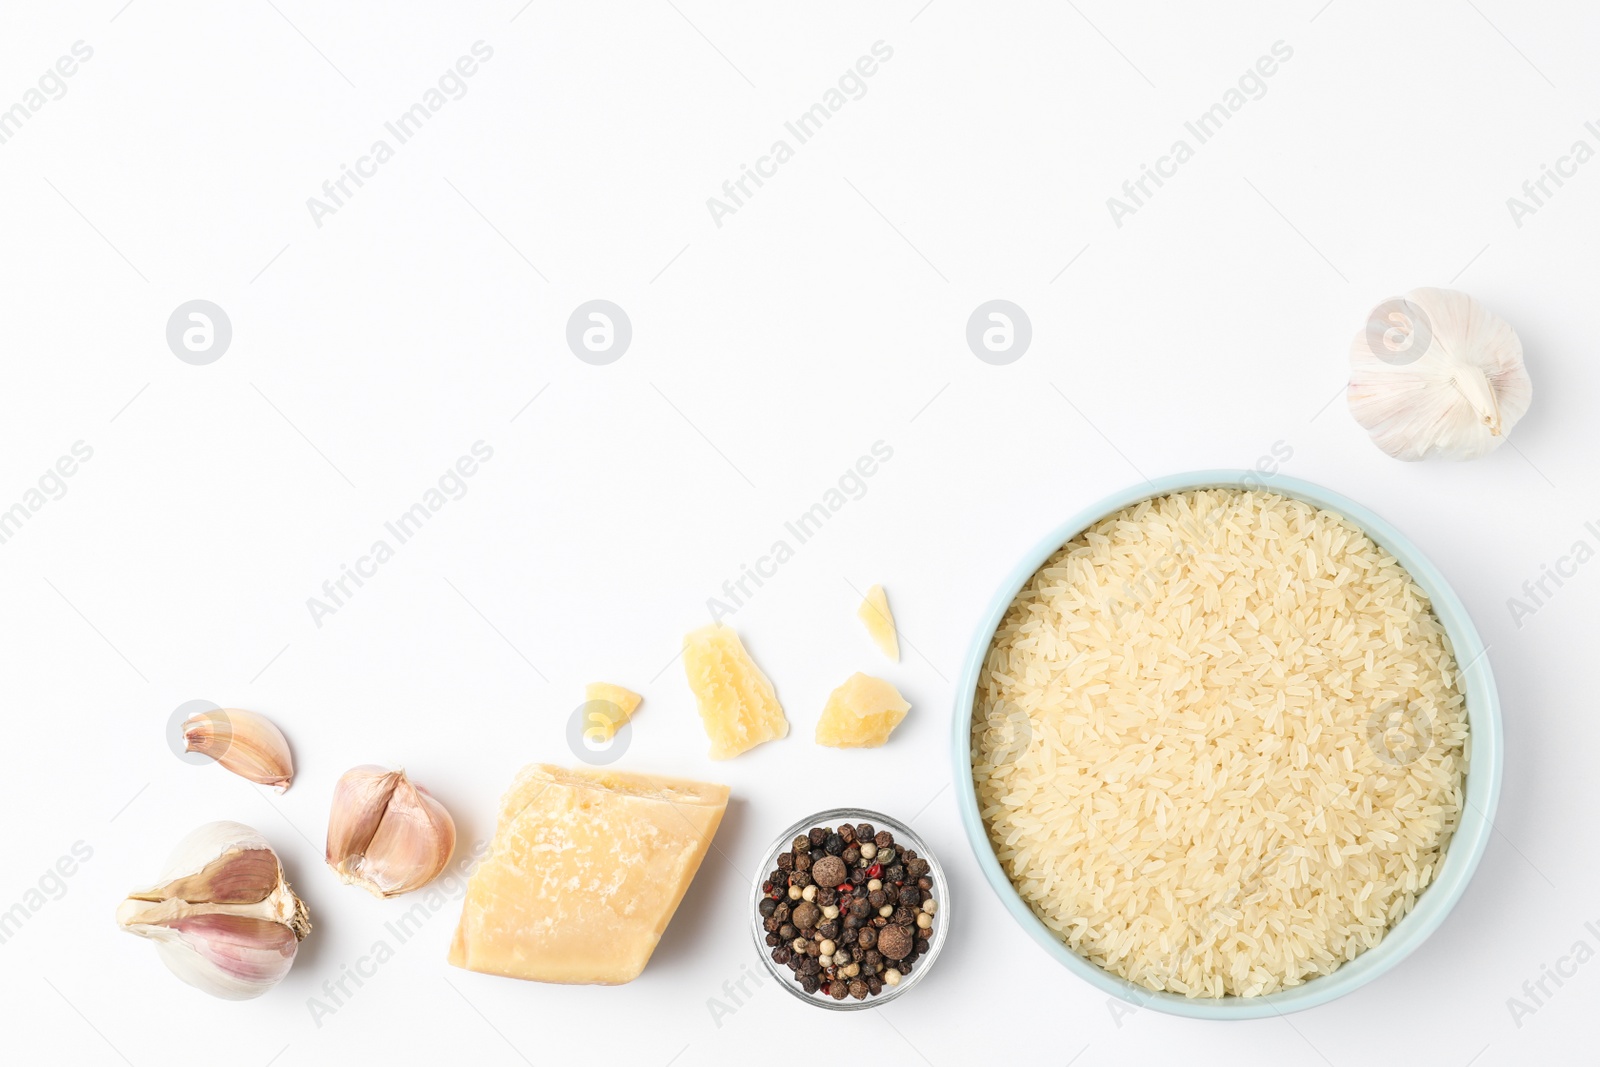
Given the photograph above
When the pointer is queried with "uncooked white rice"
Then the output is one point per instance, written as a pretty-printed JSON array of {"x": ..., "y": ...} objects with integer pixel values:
[{"x": 1219, "y": 743}]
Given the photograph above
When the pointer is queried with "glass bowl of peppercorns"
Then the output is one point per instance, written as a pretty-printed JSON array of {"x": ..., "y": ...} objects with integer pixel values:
[{"x": 850, "y": 910}]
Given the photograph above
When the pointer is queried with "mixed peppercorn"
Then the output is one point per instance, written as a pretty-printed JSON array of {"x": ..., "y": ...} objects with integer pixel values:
[{"x": 848, "y": 911}]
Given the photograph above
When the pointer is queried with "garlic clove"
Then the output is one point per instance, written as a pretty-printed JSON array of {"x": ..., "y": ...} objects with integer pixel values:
[
  {"x": 223, "y": 917},
  {"x": 1437, "y": 374},
  {"x": 234, "y": 957},
  {"x": 244, "y": 742},
  {"x": 360, "y": 798},
  {"x": 387, "y": 834}
]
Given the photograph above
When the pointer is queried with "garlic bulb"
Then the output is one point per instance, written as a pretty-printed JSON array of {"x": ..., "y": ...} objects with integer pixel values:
[
  {"x": 387, "y": 834},
  {"x": 244, "y": 742},
  {"x": 1437, "y": 374},
  {"x": 223, "y": 916}
]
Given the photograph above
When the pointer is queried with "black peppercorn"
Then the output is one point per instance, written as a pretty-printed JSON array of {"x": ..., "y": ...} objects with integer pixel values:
[
  {"x": 818, "y": 836},
  {"x": 833, "y": 844},
  {"x": 867, "y": 938},
  {"x": 802, "y": 843},
  {"x": 802, "y": 861},
  {"x": 904, "y": 916},
  {"x": 829, "y": 928},
  {"x": 809, "y": 983},
  {"x": 800, "y": 878},
  {"x": 788, "y": 932},
  {"x": 770, "y": 925},
  {"x": 827, "y": 896},
  {"x": 781, "y": 912},
  {"x": 924, "y": 883},
  {"x": 767, "y": 907},
  {"x": 860, "y": 909},
  {"x": 877, "y": 898},
  {"x": 858, "y": 989},
  {"x": 910, "y": 894},
  {"x": 874, "y": 986},
  {"x": 838, "y": 991},
  {"x": 895, "y": 873},
  {"x": 786, "y": 861},
  {"x": 864, "y": 831},
  {"x": 891, "y": 894},
  {"x": 917, "y": 868},
  {"x": 851, "y": 855},
  {"x": 883, "y": 839},
  {"x": 847, "y": 832},
  {"x": 780, "y": 955},
  {"x": 858, "y": 876},
  {"x": 813, "y": 950},
  {"x": 773, "y": 940}
]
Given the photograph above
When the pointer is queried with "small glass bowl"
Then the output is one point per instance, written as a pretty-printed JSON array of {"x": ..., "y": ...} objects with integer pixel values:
[{"x": 903, "y": 838}]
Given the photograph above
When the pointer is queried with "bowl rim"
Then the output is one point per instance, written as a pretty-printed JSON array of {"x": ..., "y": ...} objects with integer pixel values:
[
  {"x": 1483, "y": 778},
  {"x": 903, "y": 835}
]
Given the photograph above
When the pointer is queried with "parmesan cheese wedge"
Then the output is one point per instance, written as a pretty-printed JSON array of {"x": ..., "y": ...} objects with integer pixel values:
[
  {"x": 585, "y": 871},
  {"x": 874, "y": 612},
  {"x": 623, "y": 700},
  {"x": 738, "y": 705},
  {"x": 861, "y": 713}
]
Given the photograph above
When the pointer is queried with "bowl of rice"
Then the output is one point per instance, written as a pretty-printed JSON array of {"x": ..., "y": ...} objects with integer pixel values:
[{"x": 1227, "y": 745}]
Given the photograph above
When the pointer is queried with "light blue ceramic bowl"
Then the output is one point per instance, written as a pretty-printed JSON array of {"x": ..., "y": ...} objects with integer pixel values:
[{"x": 1483, "y": 778}]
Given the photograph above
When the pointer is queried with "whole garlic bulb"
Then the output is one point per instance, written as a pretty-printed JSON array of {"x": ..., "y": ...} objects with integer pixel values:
[
  {"x": 223, "y": 915},
  {"x": 1437, "y": 374},
  {"x": 387, "y": 834}
]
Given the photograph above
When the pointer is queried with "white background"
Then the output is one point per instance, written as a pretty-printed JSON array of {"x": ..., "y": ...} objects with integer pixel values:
[{"x": 768, "y": 354}]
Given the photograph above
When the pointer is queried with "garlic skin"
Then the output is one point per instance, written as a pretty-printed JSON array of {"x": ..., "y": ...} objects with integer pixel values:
[
  {"x": 386, "y": 834},
  {"x": 244, "y": 742},
  {"x": 1437, "y": 374},
  {"x": 222, "y": 916}
]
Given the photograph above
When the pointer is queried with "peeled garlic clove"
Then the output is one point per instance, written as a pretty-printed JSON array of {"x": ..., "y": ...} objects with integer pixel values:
[
  {"x": 244, "y": 742},
  {"x": 387, "y": 834},
  {"x": 223, "y": 916},
  {"x": 1437, "y": 374}
]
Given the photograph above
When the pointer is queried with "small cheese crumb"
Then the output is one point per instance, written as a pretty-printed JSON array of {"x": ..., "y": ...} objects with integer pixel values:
[
  {"x": 861, "y": 713},
  {"x": 874, "y": 612},
  {"x": 605, "y": 720}
]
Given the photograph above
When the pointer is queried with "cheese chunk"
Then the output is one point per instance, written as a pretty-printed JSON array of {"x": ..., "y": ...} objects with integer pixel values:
[
  {"x": 584, "y": 873},
  {"x": 874, "y": 612},
  {"x": 861, "y": 713},
  {"x": 608, "y": 720},
  {"x": 738, "y": 705}
]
